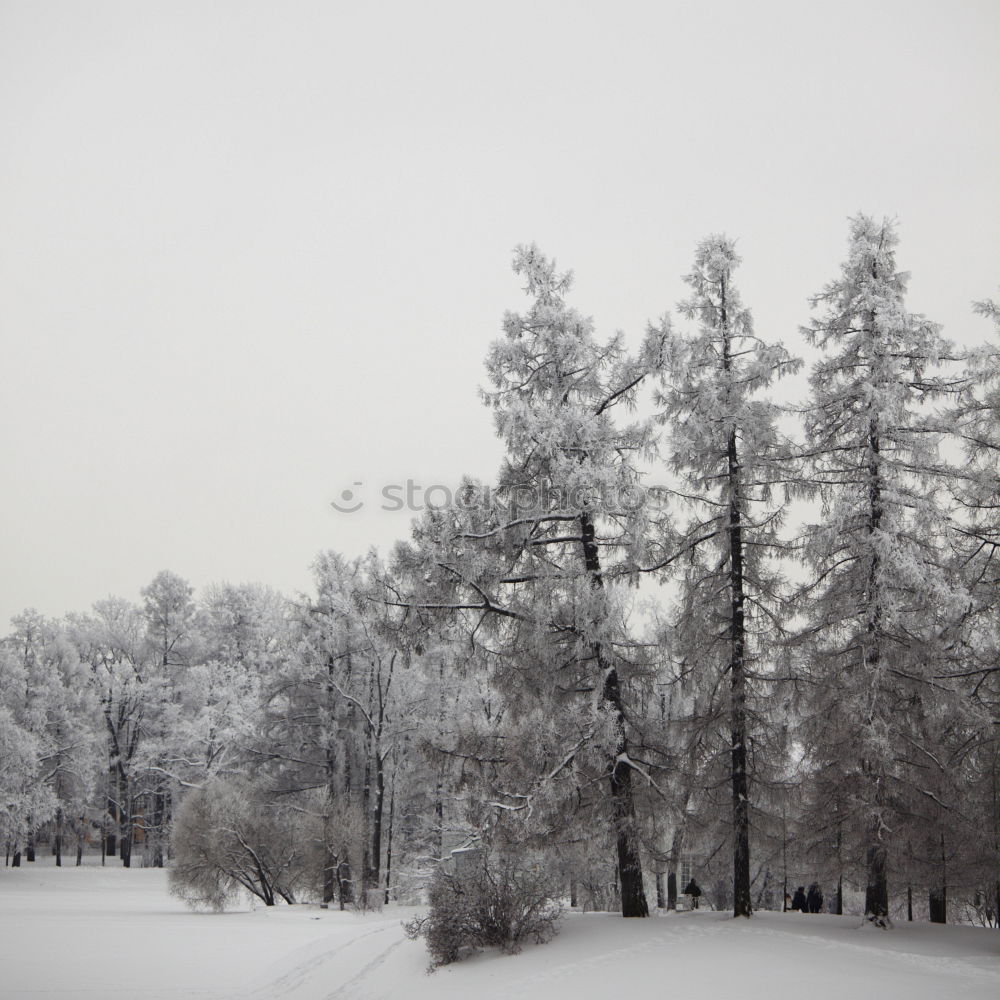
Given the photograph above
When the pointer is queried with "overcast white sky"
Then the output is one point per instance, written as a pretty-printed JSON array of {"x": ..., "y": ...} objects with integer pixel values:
[{"x": 252, "y": 253}]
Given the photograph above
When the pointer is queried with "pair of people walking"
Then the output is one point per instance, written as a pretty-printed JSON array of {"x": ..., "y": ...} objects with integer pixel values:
[{"x": 807, "y": 902}]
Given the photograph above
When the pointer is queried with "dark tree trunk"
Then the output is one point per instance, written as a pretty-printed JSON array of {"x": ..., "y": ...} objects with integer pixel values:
[
  {"x": 346, "y": 887},
  {"x": 742, "y": 905},
  {"x": 909, "y": 903},
  {"x": 838, "y": 907},
  {"x": 439, "y": 819},
  {"x": 629, "y": 863},
  {"x": 784, "y": 859},
  {"x": 996, "y": 836},
  {"x": 16, "y": 863},
  {"x": 877, "y": 890},
  {"x": 111, "y": 840},
  {"x": 159, "y": 822},
  {"x": 333, "y": 873},
  {"x": 58, "y": 838},
  {"x": 620, "y": 777},
  {"x": 676, "y": 845},
  {"x": 264, "y": 888},
  {"x": 330, "y": 867},
  {"x": 376, "y": 863},
  {"x": 439, "y": 791},
  {"x": 125, "y": 827},
  {"x": 348, "y": 763},
  {"x": 330, "y": 766},
  {"x": 388, "y": 840},
  {"x": 366, "y": 815},
  {"x": 938, "y": 896}
]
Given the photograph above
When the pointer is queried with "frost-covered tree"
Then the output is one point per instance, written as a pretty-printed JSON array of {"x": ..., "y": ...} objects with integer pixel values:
[
  {"x": 213, "y": 716},
  {"x": 70, "y": 731},
  {"x": 725, "y": 446},
  {"x": 46, "y": 688},
  {"x": 112, "y": 642},
  {"x": 335, "y": 713},
  {"x": 975, "y": 419},
  {"x": 169, "y": 612},
  {"x": 244, "y": 624},
  {"x": 542, "y": 558},
  {"x": 363, "y": 660},
  {"x": 881, "y": 600},
  {"x": 25, "y": 799}
]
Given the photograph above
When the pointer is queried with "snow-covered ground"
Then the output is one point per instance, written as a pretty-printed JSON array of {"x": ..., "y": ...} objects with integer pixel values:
[{"x": 110, "y": 933}]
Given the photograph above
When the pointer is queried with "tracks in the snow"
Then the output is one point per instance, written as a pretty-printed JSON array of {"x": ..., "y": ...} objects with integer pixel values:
[
  {"x": 319, "y": 954},
  {"x": 349, "y": 988}
]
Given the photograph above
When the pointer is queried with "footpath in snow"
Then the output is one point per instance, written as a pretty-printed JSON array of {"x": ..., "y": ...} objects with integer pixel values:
[{"x": 110, "y": 933}]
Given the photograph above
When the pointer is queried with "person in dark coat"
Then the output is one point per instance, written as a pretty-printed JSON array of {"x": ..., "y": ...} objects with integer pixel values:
[
  {"x": 799, "y": 899},
  {"x": 693, "y": 890},
  {"x": 814, "y": 898}
]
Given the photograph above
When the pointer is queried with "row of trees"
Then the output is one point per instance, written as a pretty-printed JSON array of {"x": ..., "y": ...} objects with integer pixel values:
[
  {"x": 289, "y": 716},
  {"x": 569, "y": 658}
]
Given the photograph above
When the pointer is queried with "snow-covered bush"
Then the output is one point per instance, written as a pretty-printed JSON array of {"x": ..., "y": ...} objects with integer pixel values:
[
  {"x": 498, "y": 903},
  {"x": 228, "y": 837}
]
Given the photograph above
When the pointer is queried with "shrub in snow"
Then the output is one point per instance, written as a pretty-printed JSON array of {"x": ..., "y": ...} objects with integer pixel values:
[
  {"x": 497, "y": 903},
  {"x": 228, "y": 837}
]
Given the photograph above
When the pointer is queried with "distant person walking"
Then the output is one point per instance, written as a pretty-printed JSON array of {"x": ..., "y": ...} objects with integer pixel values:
[
  {"x": 799, "y": 899},
  {"x": 814, "y": 898},
  {"x": 693, "y": 890}
]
